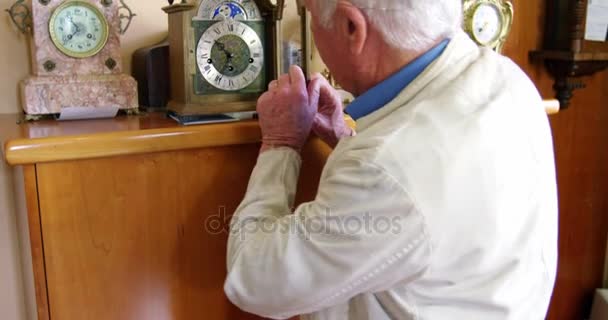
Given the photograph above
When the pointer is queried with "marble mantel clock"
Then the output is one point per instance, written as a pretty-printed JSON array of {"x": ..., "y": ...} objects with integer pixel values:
[
  {"x": 75, "y": 55},
  {"x": 223, "y": 53}
]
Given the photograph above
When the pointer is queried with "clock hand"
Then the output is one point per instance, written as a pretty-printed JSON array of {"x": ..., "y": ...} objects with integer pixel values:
[
  {"x": 485, "y": 25},
  {"x": 228, "y": 64},
  {"x": 71, "y": 36},
  {"x": 72, "y": 22},
  {"x": 223, "y": 48},
  {"x": 75, "y": 32},
  {"x": 229, "y": 56}
]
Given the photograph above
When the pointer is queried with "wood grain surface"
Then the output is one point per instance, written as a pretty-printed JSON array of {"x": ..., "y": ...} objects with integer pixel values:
[
  {"x": 36, "y": 242},
  {"x": 144, "y": 236}
]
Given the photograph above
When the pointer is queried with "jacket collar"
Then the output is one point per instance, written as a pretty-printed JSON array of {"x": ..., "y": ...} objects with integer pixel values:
[
  {"x": 461, "y": 49},
  {"x": 387, "y": 90}
]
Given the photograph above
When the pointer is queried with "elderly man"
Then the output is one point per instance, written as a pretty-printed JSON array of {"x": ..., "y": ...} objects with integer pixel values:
[{"x": 442, "y": 206}]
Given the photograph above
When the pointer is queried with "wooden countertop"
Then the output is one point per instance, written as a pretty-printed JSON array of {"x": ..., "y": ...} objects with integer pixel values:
[{"x": 50, "y": 140}]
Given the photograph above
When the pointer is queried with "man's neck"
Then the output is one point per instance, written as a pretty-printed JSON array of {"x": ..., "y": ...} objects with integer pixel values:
[{"x": 384, "y": 63}]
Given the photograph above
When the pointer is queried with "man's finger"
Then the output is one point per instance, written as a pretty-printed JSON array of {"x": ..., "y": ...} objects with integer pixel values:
[
  {"x": 326, "y": 90},
  {"x": 315, "y": 76},
  {"x": 283, "y": 80},
  {"x": 273, "y": 85},
  {"x": 325, "y": 86},
  {"x": 296, "y": 75},
  {"x": 314, "y": 92},
  {"x": 262, "y": 100}
]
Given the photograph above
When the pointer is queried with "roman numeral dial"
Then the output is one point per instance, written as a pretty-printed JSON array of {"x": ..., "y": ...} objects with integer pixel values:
[{"x": 230, "y": 55}]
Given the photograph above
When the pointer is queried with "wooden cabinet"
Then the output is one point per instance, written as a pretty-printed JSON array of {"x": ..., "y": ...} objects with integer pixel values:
[{"x": 128, "y": 218}]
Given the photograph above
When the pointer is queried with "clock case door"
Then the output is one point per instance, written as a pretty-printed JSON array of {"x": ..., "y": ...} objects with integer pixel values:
[{"x": 183, "y": 40}]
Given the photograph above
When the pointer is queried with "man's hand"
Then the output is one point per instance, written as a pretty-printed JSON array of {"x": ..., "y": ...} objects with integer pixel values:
[
  {"x": 287, "y": 111},
  {"x": 329, "y": 122}
]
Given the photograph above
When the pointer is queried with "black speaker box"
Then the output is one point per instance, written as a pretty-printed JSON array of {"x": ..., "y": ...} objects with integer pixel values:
[{"x": 151, "y": 70}]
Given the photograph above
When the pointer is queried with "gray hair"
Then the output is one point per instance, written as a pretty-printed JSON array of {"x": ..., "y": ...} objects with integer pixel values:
[{"x": 404, "y": 24}]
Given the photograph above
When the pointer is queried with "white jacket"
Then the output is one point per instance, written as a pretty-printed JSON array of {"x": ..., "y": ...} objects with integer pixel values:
[{"x": 443, "y": 206}]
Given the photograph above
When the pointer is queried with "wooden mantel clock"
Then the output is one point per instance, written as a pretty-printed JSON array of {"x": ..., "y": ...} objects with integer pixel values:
[
  {"x": 75, "y": 55},
  {"x": 223, "y": 53}
]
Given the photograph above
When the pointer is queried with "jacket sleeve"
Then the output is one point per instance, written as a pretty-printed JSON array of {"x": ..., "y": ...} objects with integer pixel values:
[{"x": 362, "y": 233}]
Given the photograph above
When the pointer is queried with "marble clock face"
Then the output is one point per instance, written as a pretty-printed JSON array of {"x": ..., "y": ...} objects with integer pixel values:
[
  {"x": 487, "y": 23},
  {"x": 230, "y": 55},
  {"x": 78, "y": 29}
]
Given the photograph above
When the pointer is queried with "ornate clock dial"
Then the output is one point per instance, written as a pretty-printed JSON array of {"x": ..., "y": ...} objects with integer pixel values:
[
  {"x": 230, "y": 55},
  {"x": 78, "y": 29},
  {"x": 487, "y": 23},
  {"x": 235, "y": 9}
]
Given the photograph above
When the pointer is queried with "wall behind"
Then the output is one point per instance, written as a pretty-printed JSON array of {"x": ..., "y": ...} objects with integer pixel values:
[
  {"x": 12, "y": 297},
  {"x": 14, "y": 64},
  {"x": 581, "y": 150},
  {"x": 14, "y": 60}
]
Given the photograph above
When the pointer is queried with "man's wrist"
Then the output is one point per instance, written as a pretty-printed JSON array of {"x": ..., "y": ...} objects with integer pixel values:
[{"x": 270, "y": 146}]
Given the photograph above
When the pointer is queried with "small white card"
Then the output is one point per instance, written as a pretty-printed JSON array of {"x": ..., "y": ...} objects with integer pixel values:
[
  {"x": 597, "y": 21},
  {"x": 80, "y": 113}
]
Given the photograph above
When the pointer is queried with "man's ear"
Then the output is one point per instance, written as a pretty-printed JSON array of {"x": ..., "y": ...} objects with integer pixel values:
[{"x": 353, "y": 26}]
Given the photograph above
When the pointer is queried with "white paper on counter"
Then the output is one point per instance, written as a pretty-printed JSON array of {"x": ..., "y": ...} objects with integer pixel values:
[{"x": 80, "y": 113}]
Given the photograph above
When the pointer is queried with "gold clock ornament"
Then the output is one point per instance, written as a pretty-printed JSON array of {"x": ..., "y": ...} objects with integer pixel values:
[
  {"x": 488, "y": 22},
  {"x": 76, "y": 58},
  {"x": 223, "y": 53}
]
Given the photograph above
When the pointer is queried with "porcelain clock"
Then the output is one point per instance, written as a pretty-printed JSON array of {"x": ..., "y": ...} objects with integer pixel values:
[
  {"x": 223, "y": 53},
  {"x": 488, "y": 22}
]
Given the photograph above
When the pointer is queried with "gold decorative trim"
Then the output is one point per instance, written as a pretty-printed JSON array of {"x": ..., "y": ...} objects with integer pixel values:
[
  {"x": 125, "y": 13},
  {"x": 21, "y": 15},
  {"x": 70, "y": 53}
]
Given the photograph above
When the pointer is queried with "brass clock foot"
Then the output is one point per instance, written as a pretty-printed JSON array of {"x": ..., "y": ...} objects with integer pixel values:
[
  {"x": 33, "y": 117},
  {"x": 132, "y": 112}
]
